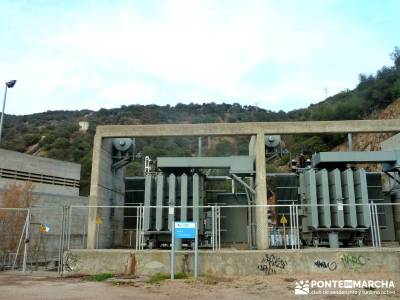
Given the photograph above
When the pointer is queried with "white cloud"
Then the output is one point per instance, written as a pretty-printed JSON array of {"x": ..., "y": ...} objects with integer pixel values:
[{"x": 93, "y": 56}]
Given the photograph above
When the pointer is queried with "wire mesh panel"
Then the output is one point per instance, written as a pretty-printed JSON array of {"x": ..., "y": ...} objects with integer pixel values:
[
  {"x": 12, "y": 226},
  {"x": 46, "y": 238},
  {"x": 32, "y": 239},
  {"x": 77, "y": 230}
]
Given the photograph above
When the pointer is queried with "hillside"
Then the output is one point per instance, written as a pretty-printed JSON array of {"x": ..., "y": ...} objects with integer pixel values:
[
  {"x": 372, "y": 141},
  {"x": 56, "y": 134}
]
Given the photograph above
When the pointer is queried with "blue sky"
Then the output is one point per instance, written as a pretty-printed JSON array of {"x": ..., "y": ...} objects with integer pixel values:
[{"x": 90, "y": 54}]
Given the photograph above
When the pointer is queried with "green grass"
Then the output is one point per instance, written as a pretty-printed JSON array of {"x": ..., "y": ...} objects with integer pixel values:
[
  {"x": 157, "y": 278},
  {"x": 181, "y": 275},
  {"x": 99, "y": 277}
]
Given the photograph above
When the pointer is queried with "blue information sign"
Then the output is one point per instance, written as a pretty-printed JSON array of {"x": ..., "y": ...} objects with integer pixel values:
[{"x": 185, "y": 230}]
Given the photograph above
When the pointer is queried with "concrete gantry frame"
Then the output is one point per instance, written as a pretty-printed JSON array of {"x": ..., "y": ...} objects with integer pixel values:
[{"x": 257, "y": 129}]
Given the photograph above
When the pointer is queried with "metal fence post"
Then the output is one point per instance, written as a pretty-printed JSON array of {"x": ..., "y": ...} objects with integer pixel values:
[
  {"x": 28, "y": 222},
  {"x": 298, "y": 228},
  {"x": 61, "y": 244},
  {"x": 69, "y": 227},
  {"x": 20, "y": 241},
  {"x": 219, "y": 227},
  {"x": 213, "y": 227}
]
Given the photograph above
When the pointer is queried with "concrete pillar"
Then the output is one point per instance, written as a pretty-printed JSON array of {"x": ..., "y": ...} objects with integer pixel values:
[
  {"x": 261, "y": 194},
  {"x": 106, "y": 189},
  {"x": 94, "y": 191}
]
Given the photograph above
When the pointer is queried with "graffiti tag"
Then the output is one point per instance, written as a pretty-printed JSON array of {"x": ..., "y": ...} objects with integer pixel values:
[
  {"x": 271, "y": 263},
  {"x": 70, "y": 262},
  {"x": 330, "y": 265},
  {"x": 353, "y": 261}
]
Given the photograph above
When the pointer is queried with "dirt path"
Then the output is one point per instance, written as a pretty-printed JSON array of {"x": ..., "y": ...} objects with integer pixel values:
[{"x": 47, "y": 286}]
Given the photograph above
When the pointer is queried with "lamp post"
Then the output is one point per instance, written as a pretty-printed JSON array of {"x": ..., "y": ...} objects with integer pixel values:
[{"x": 10, "y": 84}]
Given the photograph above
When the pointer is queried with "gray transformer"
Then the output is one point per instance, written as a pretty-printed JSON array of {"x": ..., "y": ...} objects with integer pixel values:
[
  {"x": 333, "y": 200},
  {"x": 170, "y": 191}
]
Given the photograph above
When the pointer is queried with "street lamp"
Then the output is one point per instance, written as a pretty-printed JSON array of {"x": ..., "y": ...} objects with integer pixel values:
[{"x": 10, "y": 84}]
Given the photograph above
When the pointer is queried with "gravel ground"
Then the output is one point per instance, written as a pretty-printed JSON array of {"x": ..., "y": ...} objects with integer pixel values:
[{"x": 49, "y": 286}]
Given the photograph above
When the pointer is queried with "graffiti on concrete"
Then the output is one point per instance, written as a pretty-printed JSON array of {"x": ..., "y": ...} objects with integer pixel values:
[
  {"x": 354, "y": 261},
  {"x": 330, "y": 265},
  {"x": 70, "y": 262},
  {"x": 271, "y": 263}
]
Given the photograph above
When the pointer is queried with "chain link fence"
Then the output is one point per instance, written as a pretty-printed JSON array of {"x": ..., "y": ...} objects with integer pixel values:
[{"x": 35, "y": 238}]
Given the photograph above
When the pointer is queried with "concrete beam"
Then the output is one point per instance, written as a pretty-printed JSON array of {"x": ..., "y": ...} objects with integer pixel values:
[{"x": 218, "y": 129}]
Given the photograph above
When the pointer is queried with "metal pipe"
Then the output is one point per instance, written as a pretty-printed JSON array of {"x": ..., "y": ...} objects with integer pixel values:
[
  {"x": 240, "y": 180},
  {"x": 377, "y": 226},
  {"x": 372, "y": 225},
  {"x": 141, "y": 227},
  {"x": 173, "y": 250},
  {"x": 141, "y": 230},
  {"x": 212, "y": 229},
  {"x": 137, "y": 228},
  {"x": 294, "y": 235},
  {"x": 375, "y": 232},
  {"x": 298, "y": 227},
  {"x": 219, "y": 228},
  {"x": 196, "y": 251},
  {"x": 291, "y": 226}
]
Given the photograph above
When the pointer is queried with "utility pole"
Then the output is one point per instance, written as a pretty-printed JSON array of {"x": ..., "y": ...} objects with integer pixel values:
[{"x": 10, "y": 84}]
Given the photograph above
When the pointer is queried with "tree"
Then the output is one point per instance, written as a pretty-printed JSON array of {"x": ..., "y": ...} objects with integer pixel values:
[
  {"x": 395, "y": 56},
  {"x": 12, "y": 221}
]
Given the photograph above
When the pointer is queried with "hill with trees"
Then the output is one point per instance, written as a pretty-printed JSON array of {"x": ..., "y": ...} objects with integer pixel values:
[{"x": 56, "y": 134}]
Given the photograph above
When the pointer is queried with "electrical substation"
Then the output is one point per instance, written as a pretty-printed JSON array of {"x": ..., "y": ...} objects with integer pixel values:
[{"x": 329, "y": 200}]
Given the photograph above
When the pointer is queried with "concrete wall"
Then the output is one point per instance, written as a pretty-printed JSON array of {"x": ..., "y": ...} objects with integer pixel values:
[
  {"x": 392, "y": 143},
  {"x": 42, "y": 187},
  {"x": 28, "y": 165},
  {"x": 242, "y": 263}
]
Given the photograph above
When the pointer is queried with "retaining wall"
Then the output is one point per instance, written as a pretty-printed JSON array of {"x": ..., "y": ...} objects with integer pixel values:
[{"x": 235, "y": 262}]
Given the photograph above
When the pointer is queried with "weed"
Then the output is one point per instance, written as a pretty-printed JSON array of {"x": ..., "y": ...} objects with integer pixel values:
[
  {"x": 99, "y": 277},
  {"x": 157, "y": 278}
]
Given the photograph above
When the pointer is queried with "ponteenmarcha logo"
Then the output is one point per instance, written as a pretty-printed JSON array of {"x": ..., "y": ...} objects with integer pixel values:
[
  {"x": 306, "y": 287},
  {"x": 302, "y": 288}
]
